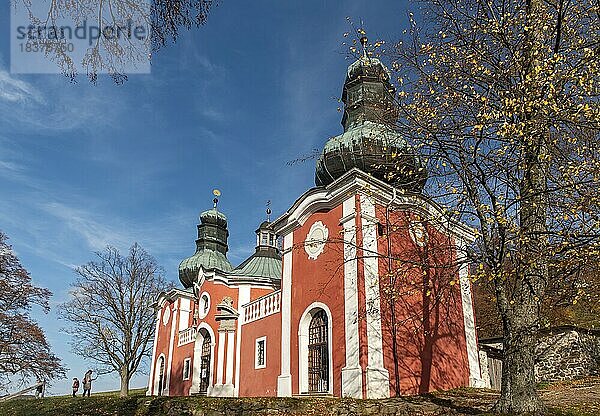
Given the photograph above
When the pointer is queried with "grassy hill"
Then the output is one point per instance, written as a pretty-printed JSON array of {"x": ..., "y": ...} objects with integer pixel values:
[{"x": 579, "y": 398}]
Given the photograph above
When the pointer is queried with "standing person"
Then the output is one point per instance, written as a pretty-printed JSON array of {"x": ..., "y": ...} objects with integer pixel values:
[
  {"x": 39, "y": 390},
  {"x": 75, "y": 386},
  {"x": 87, "y": 382}
]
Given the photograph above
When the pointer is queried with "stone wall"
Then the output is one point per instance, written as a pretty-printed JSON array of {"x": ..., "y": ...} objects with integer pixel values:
[
  {"x": 563, "y": 353},
  {"x": 567, "y": 354}
]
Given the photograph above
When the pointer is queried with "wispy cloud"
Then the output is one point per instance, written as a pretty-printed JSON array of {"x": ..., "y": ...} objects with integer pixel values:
[
  {"x": 96, "y": 234},
  {"x": 17, "y": 91}
]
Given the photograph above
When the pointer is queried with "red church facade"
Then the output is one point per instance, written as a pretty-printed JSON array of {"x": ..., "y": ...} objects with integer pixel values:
[{"x": 358, "y": 290}]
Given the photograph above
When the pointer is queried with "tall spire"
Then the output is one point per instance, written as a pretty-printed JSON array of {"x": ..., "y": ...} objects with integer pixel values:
[
  {"x": 370, "y": 141},
  {"x": 211, "y": 245}
]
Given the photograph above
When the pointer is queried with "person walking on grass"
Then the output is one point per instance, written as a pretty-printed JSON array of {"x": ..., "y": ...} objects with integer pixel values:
[
  {"x": 87, "y": 383},
  {"x": 75, "y": 386},
  {"x": 39, "y": 390}
]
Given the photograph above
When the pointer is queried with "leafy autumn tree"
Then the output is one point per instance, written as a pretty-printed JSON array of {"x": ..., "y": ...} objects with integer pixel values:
[
  {"x": 110, "y": 309},
  {"x": 572, "y": 298},
  {"x": 501, "y": 97},
  {"x": 24, "y": 350},
  {"x": 164, "y": 20}
]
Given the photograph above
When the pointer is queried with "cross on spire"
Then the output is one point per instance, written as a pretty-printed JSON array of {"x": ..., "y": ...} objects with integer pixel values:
[
  {"x": 269, "y": 210},
  {"x": 363, "y": 41}
]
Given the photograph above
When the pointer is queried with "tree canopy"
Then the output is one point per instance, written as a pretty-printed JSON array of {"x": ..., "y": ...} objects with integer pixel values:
[
  {"x": 110, "y": 310},
  {"x": 24, "y": 350},
  {"x": 163, "y": 19},
  {"x": 501, "y": 99}
]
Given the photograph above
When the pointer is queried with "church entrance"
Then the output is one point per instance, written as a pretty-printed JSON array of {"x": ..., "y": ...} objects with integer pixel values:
[
  {"x": 318, "y": 354},
  {"x": 205, "y": 364},
  {"x": 161, "y": 375}
]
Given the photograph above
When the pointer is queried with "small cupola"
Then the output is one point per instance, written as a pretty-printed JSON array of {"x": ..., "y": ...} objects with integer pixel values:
[
  {"x": 265, "y": 236},
  {"x": 265, "y": 264}
]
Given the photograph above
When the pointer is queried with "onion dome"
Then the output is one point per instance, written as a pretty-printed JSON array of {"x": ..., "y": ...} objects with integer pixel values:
[
  {"x": 370, "y": 141},
  {"x": 266, "y": 260},
  {"x": 211, "y": 248}
]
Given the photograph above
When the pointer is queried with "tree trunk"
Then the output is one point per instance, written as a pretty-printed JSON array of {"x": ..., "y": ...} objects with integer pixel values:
[
  {"x": 125, "y": 376},
  {"x": 519, "y": 395},
  {"x": 520, "y": 304}
]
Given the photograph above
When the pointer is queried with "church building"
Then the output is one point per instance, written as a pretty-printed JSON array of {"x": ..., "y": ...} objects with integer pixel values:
[{"x": 358, "y": 290}]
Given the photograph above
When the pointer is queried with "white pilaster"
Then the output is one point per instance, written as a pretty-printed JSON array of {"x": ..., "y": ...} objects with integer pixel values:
[
  {"x": 229, "y": 365},
  {"x": 171, "y": 344},
  {"x": 243, "y": 298},
  {"x": 284, "y": 381},
  {"x": 220, "y": 357},
  {"x": 378, "y": 379},
  {"x": 485, "y": 371},
  {"x": 475, "y": 379},
  {"x": 153, "y": 361},
  {"x": 352, "y": 372}
]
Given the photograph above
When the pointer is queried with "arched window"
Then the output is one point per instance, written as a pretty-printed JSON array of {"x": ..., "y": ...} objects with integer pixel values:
[
  {"x": 205, "y": 363},
  {"x": 318, "y": 353},
  {"x": 161, "y": 376},
  {"x": 315, "y": 345}
]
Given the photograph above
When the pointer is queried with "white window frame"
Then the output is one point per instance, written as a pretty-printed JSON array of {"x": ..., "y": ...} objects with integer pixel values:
[
  {"x": 303, "y": 329},
  {"x": 188, "y": 360},
  {"x": 256, "y": 343},
  {"x": 201, "y": 313}
]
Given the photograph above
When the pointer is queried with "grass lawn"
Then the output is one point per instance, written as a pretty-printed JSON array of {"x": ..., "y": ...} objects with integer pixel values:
[{"x": 578, "y": 398}]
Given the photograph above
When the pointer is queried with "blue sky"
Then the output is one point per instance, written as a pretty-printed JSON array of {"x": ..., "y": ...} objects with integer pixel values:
[{"x": 83, "y": 166}]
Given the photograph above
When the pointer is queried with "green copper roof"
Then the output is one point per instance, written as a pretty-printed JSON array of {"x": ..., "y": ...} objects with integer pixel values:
[
  {"x": 263, "y": 263},
  {"x": 369, "y": 141},
  {"x": 367, "y": 130},
  {"x": 213, "y": 213},
  {"x": 358, "y": 66},
  {"x": 208, "y": 259}
]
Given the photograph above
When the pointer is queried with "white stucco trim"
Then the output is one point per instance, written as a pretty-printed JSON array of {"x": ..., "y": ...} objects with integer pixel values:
[
  {"x": 171, "y": 344},
  {"x": 351, "y": 372},
  {"x": 229, "y": 364},
  {"x": 152, "y": 361},
  {"x": 315, "y": 241},
  {"x": 284, "y": 381},
  {"x": 195, "y": 387},
  {"x": 201, "y": 313},
  {"x": 303, "y": 328},
  {"x": 243, "y": 298},
  {"x": 355, "y": 181},
  {"x": 475, "y": 378},
  {"x": 220, "y": 357},
  {"x": 378, "y": 380}
]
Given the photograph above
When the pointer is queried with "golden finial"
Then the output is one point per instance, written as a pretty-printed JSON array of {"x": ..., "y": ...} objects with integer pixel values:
[{"x": 217, "y": 194}]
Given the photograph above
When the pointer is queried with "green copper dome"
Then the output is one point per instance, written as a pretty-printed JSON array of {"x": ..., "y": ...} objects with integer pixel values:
[
  {"x": 216, "y": 214},
  {"x": 211, "y": 248},
  {"x": 369, "y": 141}
]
